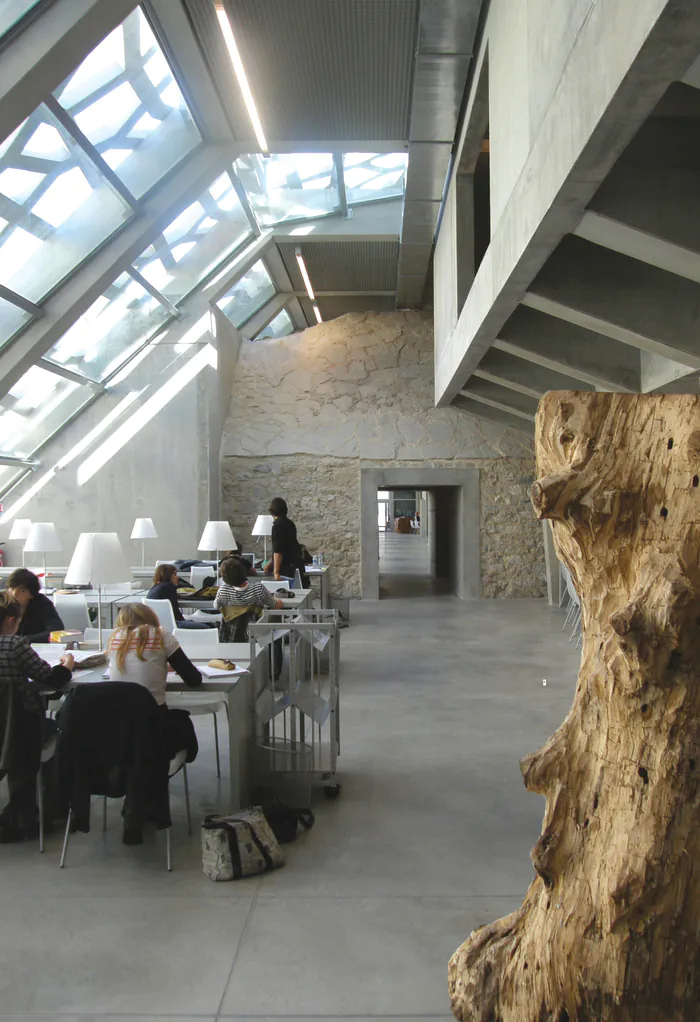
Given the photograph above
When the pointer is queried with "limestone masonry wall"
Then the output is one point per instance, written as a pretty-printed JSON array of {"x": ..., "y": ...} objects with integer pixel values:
[{"x": 311, "y": 410}]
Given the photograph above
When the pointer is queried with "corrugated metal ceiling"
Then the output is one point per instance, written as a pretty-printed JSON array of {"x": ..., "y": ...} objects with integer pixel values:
[
  {"x": 329, "y": 69},
  {"x": 346, "y": 266},
  {"x": 331, "y": 308}
]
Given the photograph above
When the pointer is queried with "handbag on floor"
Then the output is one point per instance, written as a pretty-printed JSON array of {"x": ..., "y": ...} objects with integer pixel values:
[
  {"x": 283, "y": 819},
  {"x": 239, "y": 845}
]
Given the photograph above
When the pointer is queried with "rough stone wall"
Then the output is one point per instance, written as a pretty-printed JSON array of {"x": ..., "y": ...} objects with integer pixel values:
[{"x": 310, "y": 410}]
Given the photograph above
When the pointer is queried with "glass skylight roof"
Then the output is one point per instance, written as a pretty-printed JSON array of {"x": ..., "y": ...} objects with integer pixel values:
[
  {"x": 289, "y": 186},
  {"x": 61, "y": 207},
  {"x": 38, "y": 404},
  {"x": 11, "y": 319},
  {"x": 247, "y": 295},
  {"x": 280, "y": 326},
  {"x": 114, "y": 327},
  {"x": 196, "y": 241},
  {"x": 374, "y": 175},
  {"x": 125, "y": 99}
]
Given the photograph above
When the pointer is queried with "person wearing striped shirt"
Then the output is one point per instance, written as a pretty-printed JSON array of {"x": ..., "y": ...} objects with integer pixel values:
[{"x": 240, "y": 600}]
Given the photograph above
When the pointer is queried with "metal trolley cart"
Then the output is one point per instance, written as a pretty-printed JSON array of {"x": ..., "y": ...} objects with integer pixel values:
[{"x": 297, "y": 718}]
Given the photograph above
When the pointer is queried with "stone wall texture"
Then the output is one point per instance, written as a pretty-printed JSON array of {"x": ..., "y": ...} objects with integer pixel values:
[{"x": 311, "y": 410}]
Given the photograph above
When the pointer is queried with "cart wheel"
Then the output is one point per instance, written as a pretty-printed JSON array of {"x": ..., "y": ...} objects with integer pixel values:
[{"x": 331, "y": 790}]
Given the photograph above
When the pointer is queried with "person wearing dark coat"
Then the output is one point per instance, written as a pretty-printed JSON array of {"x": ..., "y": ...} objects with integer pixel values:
[
  {"x": 287, "y": 557},
  {"x": 24, "y": 676},
  {"x": 39, "y": 616}
]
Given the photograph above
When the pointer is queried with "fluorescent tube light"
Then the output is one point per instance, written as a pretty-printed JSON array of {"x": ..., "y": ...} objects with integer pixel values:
[
  {"x": 239, "y": 70},
  {"x": 305, "y": 275},
  {"x": 317, "y": 314}
]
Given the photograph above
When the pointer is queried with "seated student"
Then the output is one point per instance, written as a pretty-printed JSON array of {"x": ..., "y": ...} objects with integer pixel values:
[
  {"x": 141, "y": 652},
  {"x": 39, "y": 616},
  {"x": 240, "y": 601},
  {"x": 23, "y": 723},
  {"x": 164, "y": 587}
]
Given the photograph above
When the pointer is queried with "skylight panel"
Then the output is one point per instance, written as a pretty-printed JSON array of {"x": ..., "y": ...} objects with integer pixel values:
[
  {"x": 18, "y": 185},
  {"x": 107, "y": 115},
  {"x": 101, "y": 66},
  {"x": 115, "y": 157},
  {"x": 184, "y": 223},
  {"x": 47, "y": 144},
  {"x": 15, "y": 252},
  {"x": 157, "y": 68},
  {"x": 62, "y": 198}
]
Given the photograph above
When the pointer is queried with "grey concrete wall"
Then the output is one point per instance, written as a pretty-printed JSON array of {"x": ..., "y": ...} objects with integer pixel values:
[{"x": 162, "y": 473}]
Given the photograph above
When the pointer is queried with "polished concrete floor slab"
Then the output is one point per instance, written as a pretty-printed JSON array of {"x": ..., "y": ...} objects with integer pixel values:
[{"x": 430, "y": 837}]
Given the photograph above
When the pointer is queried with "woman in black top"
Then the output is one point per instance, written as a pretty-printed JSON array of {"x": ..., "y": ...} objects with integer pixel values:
[
  {"x": 39, "y": 616},
  {"x": 286, "y": 552},
  {"x": 164, "y": 587}
]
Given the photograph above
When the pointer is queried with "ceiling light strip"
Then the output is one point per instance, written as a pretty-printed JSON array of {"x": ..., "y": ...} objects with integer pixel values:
[
  {"x": 304, "y": 274},
  {"x": 317, "y": 314},
  {"x": 239, "y": 71}
]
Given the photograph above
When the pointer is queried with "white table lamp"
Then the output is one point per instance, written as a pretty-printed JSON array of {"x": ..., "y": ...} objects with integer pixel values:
[
  {"x": 42, "y": 538},
  {"x": 217, "y": 536},
  {"x": 97, "y": 560},
  {"x": 263, "y": 527},
  {"x": 20, "y": 530},
  {"x": 144, "y": 529}
]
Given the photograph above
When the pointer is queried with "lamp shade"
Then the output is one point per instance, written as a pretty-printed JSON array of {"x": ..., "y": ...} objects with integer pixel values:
[
  {"x": 217, "y": 536},
  {"x": 42, "y": 538},
  {"x": 144, "y": 529},
  {"x": 98, "y": 559},
  {"x": 20, "y": 528},
  {"x": 263, "y": 526}
]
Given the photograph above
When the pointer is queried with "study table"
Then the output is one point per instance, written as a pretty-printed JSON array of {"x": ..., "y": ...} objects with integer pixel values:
[{"x": 235, "y": 689}]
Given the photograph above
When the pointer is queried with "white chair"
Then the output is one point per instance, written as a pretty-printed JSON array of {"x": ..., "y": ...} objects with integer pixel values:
[
  {"x": 199, "y": 643},
  {"x": 92, "y": 634},
  {"x": 163, "y": 609},
  {"x": 163, "y": 562},
  {"x": 117, "y": 589},
  {"x": 198, "y": 573},
  {"x": 73, "y": 611}
]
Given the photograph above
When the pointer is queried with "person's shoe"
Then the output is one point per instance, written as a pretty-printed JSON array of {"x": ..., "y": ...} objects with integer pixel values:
[{"x": 132, "y": 836}]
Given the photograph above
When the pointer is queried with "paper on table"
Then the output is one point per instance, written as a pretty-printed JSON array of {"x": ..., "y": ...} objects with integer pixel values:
[{"x": 51, "y": 652}]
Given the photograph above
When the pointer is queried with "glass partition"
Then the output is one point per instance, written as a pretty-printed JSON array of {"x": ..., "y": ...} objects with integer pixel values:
[
  {"x": 247, "y": 295},
  {"x": 196, "y": 241},
  {"x": 125, "y": 99},
  {"x": 110, "y": 331},
  {"x": 38, "y": 404},
  {"x": 289, "y": 186},
  {"x": 55, "y": 206}
]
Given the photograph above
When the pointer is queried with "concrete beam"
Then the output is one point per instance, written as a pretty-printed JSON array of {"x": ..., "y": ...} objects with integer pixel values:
[
  {"x": 481, "y": 411},
  {"x": 622, "y": 298},
  {"x": 566, "y": 348},
  {"x": 630, "y": 241},
  {"x": 380, "y": 221},
  {"x": 638, "y": 47},
  {"x": 505, "y": 400},
  {"x": 524, "y": 376}
]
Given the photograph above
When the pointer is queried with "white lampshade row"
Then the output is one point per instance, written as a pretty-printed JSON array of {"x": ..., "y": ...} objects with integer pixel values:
[
  {"x": 98, "y": 559},
  {"x": 217, "y": 536},
  {"x": 42, "y": 538},
  {"x": 144, "y": 529},
  {"x": 263, "y": 525},
  {"x": 20, "y": 528}
]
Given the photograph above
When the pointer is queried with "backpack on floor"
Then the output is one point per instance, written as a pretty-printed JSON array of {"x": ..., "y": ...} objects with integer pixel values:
[
  {"x": 239, "y": 845},
  {"x": 282, "y": 818}
]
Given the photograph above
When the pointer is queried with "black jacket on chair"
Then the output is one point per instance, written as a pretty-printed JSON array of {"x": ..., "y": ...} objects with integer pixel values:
[{"x": 112, "y": 744}]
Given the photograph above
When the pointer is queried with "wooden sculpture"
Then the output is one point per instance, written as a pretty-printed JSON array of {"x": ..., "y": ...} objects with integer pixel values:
[{"x": 609, "y": 929}]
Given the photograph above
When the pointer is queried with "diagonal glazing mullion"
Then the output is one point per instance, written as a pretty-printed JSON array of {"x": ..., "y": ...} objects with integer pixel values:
[
  {"x": 340, "y": 181},
  {"x": 154, "y": 292},
  {"x": 84, "y": 142},
  {"x": 245, "y": 203},
  {"x": 22, "y": 303}
]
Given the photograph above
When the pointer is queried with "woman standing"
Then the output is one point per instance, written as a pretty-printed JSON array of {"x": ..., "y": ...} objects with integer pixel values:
[{"x": 286, "y": 552}]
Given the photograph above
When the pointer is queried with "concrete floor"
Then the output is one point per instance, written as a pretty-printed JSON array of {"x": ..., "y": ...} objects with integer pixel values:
[{"x": 429, "y": 838}]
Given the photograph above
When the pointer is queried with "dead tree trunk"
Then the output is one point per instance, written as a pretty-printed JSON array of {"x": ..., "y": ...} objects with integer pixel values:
[{"x": 610, "y": 927}]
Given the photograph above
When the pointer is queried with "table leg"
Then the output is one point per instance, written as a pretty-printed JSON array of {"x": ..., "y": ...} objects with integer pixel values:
[
  {"x": 326, "y": 590},
  {"x": 240, "y": 741}
]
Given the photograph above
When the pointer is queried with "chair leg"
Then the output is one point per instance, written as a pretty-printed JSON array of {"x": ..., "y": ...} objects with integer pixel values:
[
  {"x": 168, "y": 851},
  {"x": 65, "y": 840},
  {"x": 187, "y": 798},
  {"x": 40, "y": 803},
  {"x": 104, "y": 814},
  {"x": 216, "y": 743}
]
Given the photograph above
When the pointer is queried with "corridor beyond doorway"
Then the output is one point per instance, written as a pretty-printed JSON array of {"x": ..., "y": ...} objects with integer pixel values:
[{"x": 404, "y": 567}]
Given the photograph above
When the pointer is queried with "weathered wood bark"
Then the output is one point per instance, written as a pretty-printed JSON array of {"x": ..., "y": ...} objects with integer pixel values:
[{"x": 610, "y": 927}]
